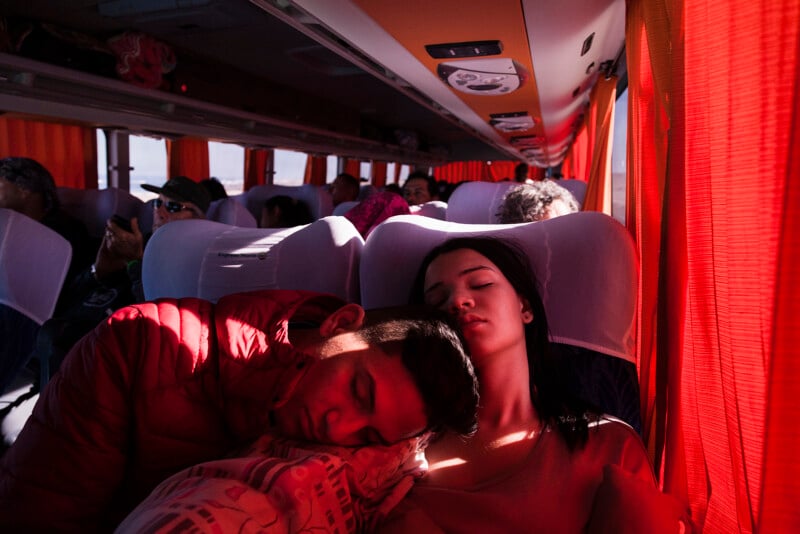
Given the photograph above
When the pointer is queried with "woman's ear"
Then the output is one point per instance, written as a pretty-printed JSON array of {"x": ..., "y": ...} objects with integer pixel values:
[
  {"x": 527, "y": 312},
  {"x": 348, "y": 318}
]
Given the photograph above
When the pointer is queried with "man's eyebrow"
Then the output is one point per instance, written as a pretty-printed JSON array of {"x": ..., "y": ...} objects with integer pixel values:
[{"x": 462, "y": 273}]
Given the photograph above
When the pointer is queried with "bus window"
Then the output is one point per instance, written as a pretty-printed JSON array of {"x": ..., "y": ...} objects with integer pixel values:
[
  {"x": 331, "y": 168},
  {"x": 102, "y": 160},
  {"x": 149, "y": 162},
  {"x": 365, "y": 170},
  {"x": 226, "y": 163},
  {"x": 290, "y": 167},
  {"x": 619, "y": 152}
]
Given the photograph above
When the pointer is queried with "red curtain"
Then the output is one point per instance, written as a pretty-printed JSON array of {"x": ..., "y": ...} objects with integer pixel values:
[
  {"x": 256, "y": 162},
  {"x": 188, "y": 156},
  {"x": 601, "y": 126},
  {"x": 379, "y": 173},
  {"x": 576, "y": 163},
  {"x": 463, "y": 171},
  {"x": 68, "y": 152},
  {"x": 725, "y": 331},
  {"x": 316, "y": 170},
  {"x": 352, "y": 167}
]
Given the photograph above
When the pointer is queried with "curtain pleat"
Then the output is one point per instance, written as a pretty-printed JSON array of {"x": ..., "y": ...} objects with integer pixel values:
[
  {"x": 69, "y": 152},
  {"x": 188, "y": 156},
  {"x": 576, "y": 162},
  {"x": 714, "y": 103},
  {"x": 601, "y": 125},
  {"x": 379, "y": 173},
  {"x": 255, "y": 166},
  {"x": 316, "y": 170},
  {"x": 352, "y": 167}
]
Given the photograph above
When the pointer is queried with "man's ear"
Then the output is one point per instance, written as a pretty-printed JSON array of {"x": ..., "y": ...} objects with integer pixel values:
[{"x": 348, "y": 318}]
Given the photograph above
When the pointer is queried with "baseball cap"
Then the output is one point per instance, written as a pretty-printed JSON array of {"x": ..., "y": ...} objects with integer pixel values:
[{"x": 183, "y": 189}]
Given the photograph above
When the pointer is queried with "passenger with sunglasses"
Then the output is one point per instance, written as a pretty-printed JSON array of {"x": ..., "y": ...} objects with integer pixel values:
[{"x": 115, "y": 278}]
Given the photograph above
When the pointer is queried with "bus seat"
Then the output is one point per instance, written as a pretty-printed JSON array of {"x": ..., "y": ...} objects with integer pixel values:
[
  {"x": 146, "y": 216},
  {"x": 477, "y": 202},
  {"x": 576, "y": 187},
  {"x": 346, "y": 206},
  {"x": 208, "y": 259},
  {"x": 366, "y": 191},
  {"x": 318, "y": 198},
  {"x": 587, "y": 269},
  {"x": 35, "y": 261},
  {"x": 230, "y": 211},
  {"x": 93, "y": 207},
  {"x": 435, "y": 209}
]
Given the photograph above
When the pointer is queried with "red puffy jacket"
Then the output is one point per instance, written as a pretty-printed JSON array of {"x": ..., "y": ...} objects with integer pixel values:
[{"x": 157, "y": 387}]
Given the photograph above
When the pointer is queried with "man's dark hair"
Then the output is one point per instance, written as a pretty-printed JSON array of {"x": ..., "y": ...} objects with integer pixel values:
[
  {"x": 433, "y": 352},
  {"x": 31, "y": 175},
  {"x": 433, "y": 189}
]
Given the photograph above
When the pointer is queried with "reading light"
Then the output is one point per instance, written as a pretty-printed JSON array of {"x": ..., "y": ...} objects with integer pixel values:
[{"x": 517, "y": 121}]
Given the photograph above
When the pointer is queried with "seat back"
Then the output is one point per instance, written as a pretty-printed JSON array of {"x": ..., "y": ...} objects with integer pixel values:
[
  {"x": 34, "y": 262},
  {"x": 346, "y": 206},
  {"x": 318, "y": 198},
  {"x": 477, "y": 202},
  {"x": 230, "y": 211},
  {"x": 585, "y": 263},
  {"x": 208, "y": 259},
  {"x": 576, "y": 187},
  {"x": 93, "y": 207}
]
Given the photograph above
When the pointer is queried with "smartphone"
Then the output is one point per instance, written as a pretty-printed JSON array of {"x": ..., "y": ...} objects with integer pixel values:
[{"x": 122, "y": 222}]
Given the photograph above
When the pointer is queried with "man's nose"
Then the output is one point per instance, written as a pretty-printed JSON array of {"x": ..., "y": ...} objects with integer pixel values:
[{"x": 344, "y": 426}]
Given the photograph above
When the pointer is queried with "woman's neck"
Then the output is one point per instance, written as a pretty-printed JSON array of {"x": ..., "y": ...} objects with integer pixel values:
[{"x": 505, "y": 395}]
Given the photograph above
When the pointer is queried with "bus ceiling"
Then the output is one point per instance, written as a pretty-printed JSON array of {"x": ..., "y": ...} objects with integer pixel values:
[{"x": 422, "y": 82}]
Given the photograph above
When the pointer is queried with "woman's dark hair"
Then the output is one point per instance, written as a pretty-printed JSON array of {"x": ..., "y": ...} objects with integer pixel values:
[{"x": 549, "y": 393}]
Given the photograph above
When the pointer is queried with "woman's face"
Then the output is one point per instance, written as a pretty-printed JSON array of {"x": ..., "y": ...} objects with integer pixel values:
[{"x": 469, "y": 287}]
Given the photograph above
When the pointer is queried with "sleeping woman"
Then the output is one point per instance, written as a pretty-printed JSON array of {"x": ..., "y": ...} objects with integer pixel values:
[{"x": 541, "y": 461}]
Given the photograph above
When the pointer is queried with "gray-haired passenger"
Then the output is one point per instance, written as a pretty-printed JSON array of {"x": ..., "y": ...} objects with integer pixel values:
[{"x": 536, "y": 202}]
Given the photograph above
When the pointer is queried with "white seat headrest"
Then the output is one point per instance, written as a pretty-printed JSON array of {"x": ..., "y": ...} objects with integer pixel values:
[
  {"x": 576, "y": 187},
  {"x": 207, "y": 259},
  {"x": 477, "y": 202},
  {"x": 34, "y": 261},
  {"x": 436, "y": 209},
  {"x": 585, "y": 263},
  {"x": 230, "y": 211},
  {"x": 318, "y": 199},
  {"x": 93, "y": 207}
]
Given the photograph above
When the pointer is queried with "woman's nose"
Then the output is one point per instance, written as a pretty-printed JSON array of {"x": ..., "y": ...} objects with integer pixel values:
[{"x": 459, "y": 301}]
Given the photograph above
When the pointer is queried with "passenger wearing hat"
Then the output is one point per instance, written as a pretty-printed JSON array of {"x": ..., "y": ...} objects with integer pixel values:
[{"x": 115, "y": 278}]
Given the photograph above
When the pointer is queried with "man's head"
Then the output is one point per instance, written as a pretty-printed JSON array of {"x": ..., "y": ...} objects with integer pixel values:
[
  {"x": 419, "y": 188},
  {"x": 344, "y": 188},
  {"x": 383, "y": 376},
  {"x": 521, "y": 173},
  {"x": 180, "y": 198},
  {"x": 27, "y": 187}
]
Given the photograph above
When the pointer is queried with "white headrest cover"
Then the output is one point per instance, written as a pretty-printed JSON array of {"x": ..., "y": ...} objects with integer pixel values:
[
  {"x": 435, "y": 209},
  {"x": 33, "y": 264},
  {"x": 585, "y": 263},
  {"x": 229, "y": 211},
  {"x": 576, "y": 187},
  {"x": 477, "y": 202},
  {"x": 318, "y": 198},
  {"x": 207, "y": 259},
  {"x": 93, "y": 207}
]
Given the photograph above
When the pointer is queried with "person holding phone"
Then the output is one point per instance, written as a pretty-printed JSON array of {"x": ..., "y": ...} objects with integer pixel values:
[{"x": 114, "y": 279}]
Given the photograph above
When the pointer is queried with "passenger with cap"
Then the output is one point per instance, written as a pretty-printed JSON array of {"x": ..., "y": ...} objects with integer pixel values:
[{"x": 115, "y": 278}]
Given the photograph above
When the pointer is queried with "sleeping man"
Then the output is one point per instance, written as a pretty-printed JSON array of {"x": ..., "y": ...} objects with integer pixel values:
[{"x": 165, "y": 385}]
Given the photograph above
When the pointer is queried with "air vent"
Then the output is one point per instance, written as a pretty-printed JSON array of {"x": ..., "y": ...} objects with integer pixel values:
[
  {"x": 483, "y": 76},
  {"x": 461, "y": 50}
]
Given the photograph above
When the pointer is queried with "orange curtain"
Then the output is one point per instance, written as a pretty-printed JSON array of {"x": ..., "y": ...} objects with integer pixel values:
[
  {"x": 576, "y": 163},
  {"x": 68, "y": 152},
  {"x": 463, "y": 171},
  {"x": 256, "y": 161},
  {"x": 502, "y": 170},
  {"x": 352, "y": 167},
  {"x": 727, "y": 323},
  {"x": 316, "y": 170},
  {"x": 378, "y": 173},
  {"x": 601, "y": 125},
  {"x": 188, "y": 157}
]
